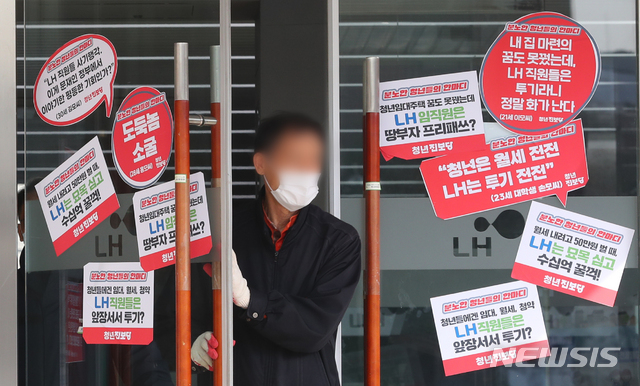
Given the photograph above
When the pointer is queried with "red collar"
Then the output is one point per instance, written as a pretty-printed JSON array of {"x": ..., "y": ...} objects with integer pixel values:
[{"x": 278, "y": 236}]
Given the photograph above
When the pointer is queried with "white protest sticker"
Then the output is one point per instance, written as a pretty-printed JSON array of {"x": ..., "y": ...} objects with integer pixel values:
[
  {"x": 155, "y": 218},
  {"x": 117, "y": 304},
  {"x": 77, "y": 196},
  {"x": 572, "y": 253},
  {"x": 488, "y": 327},
  {"x": 75, "y": 80},
  {"x": 431, "y": 116}
]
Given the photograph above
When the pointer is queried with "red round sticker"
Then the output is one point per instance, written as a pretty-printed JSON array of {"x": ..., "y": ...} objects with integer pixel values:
[
  {"x": 142, "y": 137},
  {"x": 541, "y": 71}
]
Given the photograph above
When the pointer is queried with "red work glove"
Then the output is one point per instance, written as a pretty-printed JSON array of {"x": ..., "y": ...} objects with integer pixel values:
[{"x": 203, "y": 350}]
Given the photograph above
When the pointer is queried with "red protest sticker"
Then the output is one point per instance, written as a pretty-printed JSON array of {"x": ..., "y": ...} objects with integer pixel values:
[
  {"x": 75, "y": 80},
  {"x": 510, "y": 170},
  {"x": 111, "y": 314},
  {"x": 572, "y": 253},
  {"x": 431, "y": 116},
  {"x": 154, "y": 210},
  {"x": 541, "y": 71},
  {"x": 142, "y": 137},
  {"x": 496, "y": 338},
  {"x": 77, "y": 196}
]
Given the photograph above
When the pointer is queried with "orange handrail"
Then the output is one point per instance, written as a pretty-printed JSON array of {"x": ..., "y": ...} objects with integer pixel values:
[
  {"x": 216, "y": 279},
  {"x": 183, "y": 231},
  {"x": 372, "y": 220}
]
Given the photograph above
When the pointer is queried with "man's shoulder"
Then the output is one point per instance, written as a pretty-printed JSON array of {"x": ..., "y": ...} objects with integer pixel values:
[{"x": 327, "y": 222}]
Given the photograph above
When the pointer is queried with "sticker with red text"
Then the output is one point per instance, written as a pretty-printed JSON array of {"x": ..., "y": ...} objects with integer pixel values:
[
  {"x": 117, "y": 304},
  {"x": 488, "y": 327},
  {"x": 142, "y": 137},
  {"x": 75, "y": 80},
  {"x": 155, "y": 216},
  {"x": 572, "y": 253},
  {"x": 77, "y": 196},
  {"x": 541, "y": 71},
  {"x": 510, "y": 170},
  {"x": 430, "y": 116}
]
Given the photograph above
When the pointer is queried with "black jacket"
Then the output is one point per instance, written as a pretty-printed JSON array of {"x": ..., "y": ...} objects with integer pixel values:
[{"x": 287, "y": 336}]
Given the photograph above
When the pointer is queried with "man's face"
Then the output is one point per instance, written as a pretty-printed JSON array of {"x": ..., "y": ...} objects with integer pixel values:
[{"x": 297, "y": 151}]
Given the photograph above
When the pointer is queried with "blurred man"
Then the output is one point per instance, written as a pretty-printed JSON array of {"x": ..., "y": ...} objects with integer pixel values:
[{"x": 296, "y": 269}]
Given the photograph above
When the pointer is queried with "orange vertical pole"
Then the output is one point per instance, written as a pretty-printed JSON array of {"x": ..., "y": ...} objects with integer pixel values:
[
  {"x": 372, "y": 221},
  {"x": 183, "y": 239},
  {"x": 215, "y": 185}
]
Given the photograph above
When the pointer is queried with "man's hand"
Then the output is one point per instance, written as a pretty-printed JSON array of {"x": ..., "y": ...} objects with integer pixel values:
[
  {"x": 241, "y": 294},
  {"x": 203, "y": 350}
]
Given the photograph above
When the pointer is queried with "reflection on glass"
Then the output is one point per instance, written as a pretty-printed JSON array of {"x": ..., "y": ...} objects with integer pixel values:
[{"x": 415, "y": 39}]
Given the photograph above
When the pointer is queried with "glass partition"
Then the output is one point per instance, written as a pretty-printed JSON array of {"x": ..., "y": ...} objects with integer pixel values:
[
  {"x": 423, "y": 256},
  {"x": 143, "y": 34}
]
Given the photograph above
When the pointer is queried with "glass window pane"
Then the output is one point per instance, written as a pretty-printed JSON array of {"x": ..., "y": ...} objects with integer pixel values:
[
  {"x": 423, "y": 256},
  {"x": 143, "y": 34}
]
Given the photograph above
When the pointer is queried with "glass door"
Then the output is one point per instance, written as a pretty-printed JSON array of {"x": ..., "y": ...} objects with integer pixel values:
[
  {"x": 423, "y": 256},
  {"x": 142, "y": 34}
]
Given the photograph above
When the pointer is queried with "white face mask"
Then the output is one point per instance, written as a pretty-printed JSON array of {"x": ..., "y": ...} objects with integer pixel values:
[{"x": 296, "y": 190}]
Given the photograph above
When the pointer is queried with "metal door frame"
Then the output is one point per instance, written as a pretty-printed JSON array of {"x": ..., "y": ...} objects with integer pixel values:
[
  {"x": 8, "y": 222},
  {"x": 333, "y": 95}
]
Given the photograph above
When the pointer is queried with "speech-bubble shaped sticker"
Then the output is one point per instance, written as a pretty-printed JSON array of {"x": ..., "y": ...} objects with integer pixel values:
[
  {"x": 431, "y": 116},
  {"x": 540, "y": 72},
  {"x": 510, "y": 170},
  {"x": 75, "y": 80}
]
